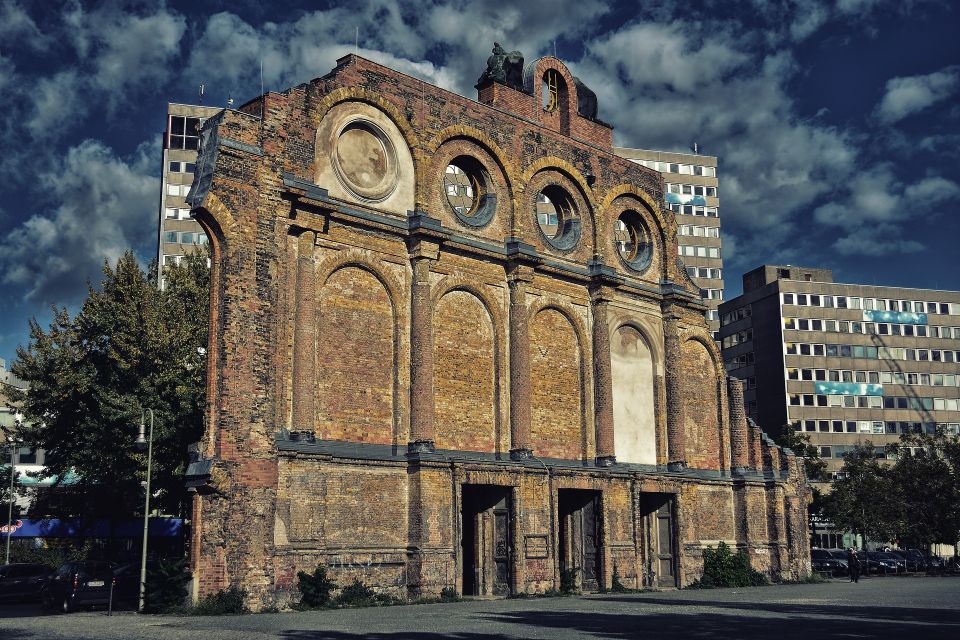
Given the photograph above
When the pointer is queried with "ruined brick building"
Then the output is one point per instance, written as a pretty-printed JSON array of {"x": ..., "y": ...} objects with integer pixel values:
[{"x": 452, "y": 345}]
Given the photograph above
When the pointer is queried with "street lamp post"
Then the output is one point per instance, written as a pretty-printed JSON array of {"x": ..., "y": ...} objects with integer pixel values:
[
  {"x": 12, "y": 439},
  {"x": 141, "y": 443}
]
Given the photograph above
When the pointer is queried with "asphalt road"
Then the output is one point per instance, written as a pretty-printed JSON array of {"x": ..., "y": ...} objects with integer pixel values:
[{"x": 904, "y": 608}]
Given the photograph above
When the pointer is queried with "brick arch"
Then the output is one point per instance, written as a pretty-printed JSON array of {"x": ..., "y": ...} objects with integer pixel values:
[
  {"x": 710, "y": 346},
  {"x": 356, "y": 94},
  {"x": 455, "y": 283},
  {"x": 702, "y": 406},
  {"x": 467, "y": 363},
  {"x": 327, "y": 270},
  {"x": 562, "y": 166},
  {"x": 666, "y": 225},
  {"x": 476, "y": 136},
  {"x": 553, "y": 433}
]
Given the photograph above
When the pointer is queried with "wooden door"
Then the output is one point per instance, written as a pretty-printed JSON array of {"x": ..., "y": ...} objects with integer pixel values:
[{"x": 666, "y": 573}]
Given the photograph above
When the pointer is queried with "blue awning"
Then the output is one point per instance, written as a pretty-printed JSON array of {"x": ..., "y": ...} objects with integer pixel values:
[{"x": 57, "y": 528}]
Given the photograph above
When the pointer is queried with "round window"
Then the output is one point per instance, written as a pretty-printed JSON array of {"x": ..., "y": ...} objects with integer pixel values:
[
  {"x": 557, "y": 219},
  {"x": 465, "y": 184},
  {"x": 365, "y": 161},
  {"x": 632, "y": 241}
]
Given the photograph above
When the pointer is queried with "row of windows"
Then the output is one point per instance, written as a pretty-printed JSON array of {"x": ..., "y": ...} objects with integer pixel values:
[
  {"x": 675, "y": 167},
  {"x": 742, "y": 360},
  {"x": 181, "y": 167},
  {"x": 185, "y": 237},
  {"x": 691, "y": 189},
  {"x": 699, "y": 232},
  {"x": 704, "y": 272},
  {"x": 870, "y": 304},
  {"x": 875, "y": 377},
  {"x": 692, "y": 251},
  {"x": 693, "y": 210},
  {"x": 873, "y": 402},
  {"x": 873, "y": 426},
  {"x": 869, "y": 328},
  {"x": 738, "y": 338},
  {"x": 737, "y": 314},
  {"x": 872, "y": 353},
  {"x": 711, "y": 294},
  {"x": 178, "y": 189},
  {"x": 173, "y": 213}
]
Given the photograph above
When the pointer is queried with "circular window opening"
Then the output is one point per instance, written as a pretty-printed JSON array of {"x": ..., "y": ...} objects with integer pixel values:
[
  {"x": 556, "y": 217},
  {"x": 365, "y": 160},
  {"x": 466, "y": 186},
  {"x": 632, "y": 241}
]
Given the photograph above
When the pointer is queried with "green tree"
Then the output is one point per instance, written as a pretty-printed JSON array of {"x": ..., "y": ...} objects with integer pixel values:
[
  {"x": 926, "y": 477},
  {"x": 862, "y": 498},
  {"x": 799, "y": 443},
  {"x": 130, "y": 346}
]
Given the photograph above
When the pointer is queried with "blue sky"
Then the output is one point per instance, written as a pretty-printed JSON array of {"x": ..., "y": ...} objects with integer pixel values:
[{"x": 836, "y": 122}]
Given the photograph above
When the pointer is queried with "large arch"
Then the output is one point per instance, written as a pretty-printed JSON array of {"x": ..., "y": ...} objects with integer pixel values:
[
  {"x": 632, "y": 374},
  {"x": 356, "y": 357},
  {"x": 701, "y": 406},
  {"x": 557, "y": 397}
]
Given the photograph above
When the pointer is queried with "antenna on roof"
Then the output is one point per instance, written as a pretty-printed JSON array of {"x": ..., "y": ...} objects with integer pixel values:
[
  {"x": 554, "y": 48},
  {"x": 695, "y": 147},
  {"x": 229, "y": 101},
  {"x": 201, "y": 94},
  {"x": 356, "y": 42}
]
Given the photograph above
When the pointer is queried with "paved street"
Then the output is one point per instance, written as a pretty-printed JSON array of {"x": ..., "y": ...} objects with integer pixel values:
[{"x": 911, "y": 607}]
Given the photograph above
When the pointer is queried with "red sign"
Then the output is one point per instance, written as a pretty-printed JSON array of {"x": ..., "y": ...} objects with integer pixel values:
[{"x": 10, "y": 528}]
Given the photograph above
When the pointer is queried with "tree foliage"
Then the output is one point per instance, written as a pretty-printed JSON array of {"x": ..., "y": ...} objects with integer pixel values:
[
  {"x": 130, "y": 346},
  {"x": 915, "y": 501},
  {"x": 799, "y": 443}
]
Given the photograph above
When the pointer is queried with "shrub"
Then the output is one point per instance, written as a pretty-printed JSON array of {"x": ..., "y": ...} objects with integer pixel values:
[
  {"x": 315, "y": 589},
  {"x": 568, "y": 581},
  {"x": 166, "y": 586},
  {"x": 358, "y": 594},
  {"x": 615, "y": 585},
  {"x": 449, "y": 594},
  {"x": 722, "y": 568},
  {"x": 224, "y": 602}
]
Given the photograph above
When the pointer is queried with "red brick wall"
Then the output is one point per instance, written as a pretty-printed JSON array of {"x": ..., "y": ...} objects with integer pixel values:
[
  {"x": 355, "y": 358},
  {"x": 700, "y": 407},
  {"x": 556, "y": 402},
  {"x": 464, "y": 399}
]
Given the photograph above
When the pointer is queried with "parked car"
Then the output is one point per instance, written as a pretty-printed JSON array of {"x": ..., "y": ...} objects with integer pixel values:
[
  {"x": 880, "y": 563},
  {"x": 22, "y": 581},
  {"x": 910, "y": 562},
  {"x": 822, "y": 561},
  {"x": 78, "y": 584},
  {"x": 840, "y": 555}
]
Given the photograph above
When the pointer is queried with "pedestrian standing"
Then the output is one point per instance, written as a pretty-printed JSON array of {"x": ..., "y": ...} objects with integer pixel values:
[{"x": 853, "y": 563}]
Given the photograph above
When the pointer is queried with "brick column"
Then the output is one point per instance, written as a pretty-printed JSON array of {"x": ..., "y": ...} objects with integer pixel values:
[
  {"x": 739, "y": 444},
  {"x": 676, "y": 440},
  {"x": 305, "y": 338},
  {"x": 602, "y": 384},
  {"x": 520, "y": 446},
  {"x": 421, "y": 351}
]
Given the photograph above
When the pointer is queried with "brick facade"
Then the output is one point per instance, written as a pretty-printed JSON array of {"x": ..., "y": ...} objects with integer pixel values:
[{"x": 420, "y": 399}]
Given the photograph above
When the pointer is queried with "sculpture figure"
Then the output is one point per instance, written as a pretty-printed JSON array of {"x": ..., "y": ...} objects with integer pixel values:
[{"x": 504, "y": 67}]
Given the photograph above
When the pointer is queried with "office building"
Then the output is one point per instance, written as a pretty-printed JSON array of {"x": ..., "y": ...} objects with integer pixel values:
[
  {"x": 844, "y": 363},
  {"x": 690, "y": 191},
  {"x": 178, "y": 233}
]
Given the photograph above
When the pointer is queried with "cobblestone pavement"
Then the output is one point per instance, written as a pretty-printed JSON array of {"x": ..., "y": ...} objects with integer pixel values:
[{"x": 902, "y": 608}]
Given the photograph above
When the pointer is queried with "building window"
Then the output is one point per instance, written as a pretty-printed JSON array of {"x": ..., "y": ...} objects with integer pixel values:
[{"x": 184, "y": 133}]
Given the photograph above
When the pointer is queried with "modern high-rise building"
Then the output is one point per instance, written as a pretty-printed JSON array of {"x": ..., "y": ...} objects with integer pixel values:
[
  {"x": 178, "y": 233},
  {"x": 690, "y": 191},
  {"x": 844, "y": 363}
]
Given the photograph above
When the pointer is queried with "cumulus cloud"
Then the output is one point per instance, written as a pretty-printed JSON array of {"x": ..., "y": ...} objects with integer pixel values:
[
  {"x": 878, "y": 240},
  {"x": 100, "y": 206},
  {"x": 905, "y": 96},
  {"x": 16, "y": 26}
]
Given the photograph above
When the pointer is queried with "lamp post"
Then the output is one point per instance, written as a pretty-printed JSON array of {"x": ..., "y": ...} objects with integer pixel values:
[
  {"x": 12, "y": 439},
  {"x": 145, "y": 442}
]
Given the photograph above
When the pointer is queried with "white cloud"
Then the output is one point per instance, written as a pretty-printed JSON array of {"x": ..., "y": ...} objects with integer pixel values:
[
  {"x": 17, "y": 27},
  {"x": 56, "y": 102},
  {"x": 905, "y": 96},
  {"x": 880, "y": 240},
  {"x": 101, "y": 205}
]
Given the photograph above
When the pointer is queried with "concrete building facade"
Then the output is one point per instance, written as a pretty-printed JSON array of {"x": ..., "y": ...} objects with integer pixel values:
[
  {"x": 177, "y": 232},
  {"x": 691, "y": 192},
  {"x": 471, "y": 378},
  {"x": 843, "y": 363}
]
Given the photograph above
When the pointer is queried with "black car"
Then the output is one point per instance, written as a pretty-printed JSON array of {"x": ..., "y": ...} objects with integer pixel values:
[
  {"x": 881, "y": 563},
  {"x": 78, "y": 584},
  {"x": 22, "y": 581},
  {"x": 911, "y": 562},
  {"x": 823, "y": 562}
]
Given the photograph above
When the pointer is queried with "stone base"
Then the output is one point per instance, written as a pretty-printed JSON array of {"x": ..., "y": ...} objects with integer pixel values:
[
  {"x": 421, "y": 446},
  {"x": 677, "y": 465},
  {"x": 606, "y": 461},
  {"x": 521, "y": 454}
]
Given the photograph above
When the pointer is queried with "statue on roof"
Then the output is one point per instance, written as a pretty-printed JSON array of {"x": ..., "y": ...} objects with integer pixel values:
[{"x": 504, "y": 67}]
